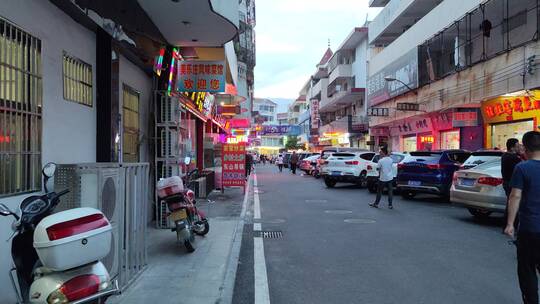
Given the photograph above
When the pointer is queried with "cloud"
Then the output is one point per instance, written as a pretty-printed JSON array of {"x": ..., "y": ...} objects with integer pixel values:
[
  {"x": 269, "y": 45},
  {"x": 285, "y": 88}
]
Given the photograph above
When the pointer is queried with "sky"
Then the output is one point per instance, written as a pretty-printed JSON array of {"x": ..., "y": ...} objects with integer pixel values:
[{"x": 292, "y": 36}]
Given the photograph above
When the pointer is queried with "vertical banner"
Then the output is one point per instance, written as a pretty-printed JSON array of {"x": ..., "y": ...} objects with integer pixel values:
[
  {"x": 314, "y": 114},
  {"x": 234, "y": 165}
]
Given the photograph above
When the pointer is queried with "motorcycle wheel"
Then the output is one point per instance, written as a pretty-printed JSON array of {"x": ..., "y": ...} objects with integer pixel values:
[{"x": 204, "y": 230}]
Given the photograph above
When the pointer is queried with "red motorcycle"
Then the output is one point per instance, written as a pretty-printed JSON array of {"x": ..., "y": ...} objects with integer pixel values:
[{"x": 188, "y": 220}]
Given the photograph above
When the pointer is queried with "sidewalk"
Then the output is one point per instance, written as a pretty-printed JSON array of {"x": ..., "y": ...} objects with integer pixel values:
[{"x": 204, "y": 276}]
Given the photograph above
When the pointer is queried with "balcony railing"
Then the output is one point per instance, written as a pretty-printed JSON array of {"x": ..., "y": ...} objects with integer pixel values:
[{"x": 341, "y": 71}]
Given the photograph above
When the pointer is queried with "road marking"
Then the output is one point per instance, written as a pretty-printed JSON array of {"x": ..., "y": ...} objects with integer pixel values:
[
  {"x": 262, "y": 295},
  {"x": 255, "y": 180},
  {"x": 246, "y": 196},
  {"x": 256, "y": 202},
  {"x": 257, "y": 227}
]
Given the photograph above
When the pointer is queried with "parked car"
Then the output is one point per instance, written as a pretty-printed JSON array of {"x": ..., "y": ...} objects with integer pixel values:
[
  {"x": 309, "y": 164},
  {"x": 480, "y": 189},
  {"x": 429, "y": 172},
  {"x": 480, "y": 157},
  {"x": 346, "y": 167},
  {"x": 326, "y": 153},
  {"x": 373, "y": 173}
]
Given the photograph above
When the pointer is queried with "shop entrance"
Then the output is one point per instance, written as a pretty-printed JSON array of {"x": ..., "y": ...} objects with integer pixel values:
[
  {"x": 503, "y": 131},
  {"x": 450, "y": 140},
  {"x": 409, "y": 144}
]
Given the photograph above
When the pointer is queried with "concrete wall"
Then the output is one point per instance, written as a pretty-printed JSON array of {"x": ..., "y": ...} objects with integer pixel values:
[
  {"x": 69, "y": 129},
  {"x": 440, "y": 17},
  {"x": 359, "y": 67}
]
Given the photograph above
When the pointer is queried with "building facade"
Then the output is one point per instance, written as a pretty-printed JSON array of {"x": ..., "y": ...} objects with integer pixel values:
[{"x": 458, "y": 74}]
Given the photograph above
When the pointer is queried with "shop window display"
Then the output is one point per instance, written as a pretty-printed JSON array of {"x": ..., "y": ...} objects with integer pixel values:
[
  {"x": 409, "y": 144},
  {"x": 450, "y": 140},
  {"x": 502, "y": 132}
]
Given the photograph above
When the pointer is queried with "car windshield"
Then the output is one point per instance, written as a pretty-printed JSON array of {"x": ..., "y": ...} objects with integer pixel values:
[
  {"x": 478, "y": 158},
  {"x": 343, "y": 155},
  {"x": 489, "y": 165}
]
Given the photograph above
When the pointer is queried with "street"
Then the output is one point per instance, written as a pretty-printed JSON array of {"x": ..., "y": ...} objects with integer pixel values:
[{"x": 336, "y": 249}]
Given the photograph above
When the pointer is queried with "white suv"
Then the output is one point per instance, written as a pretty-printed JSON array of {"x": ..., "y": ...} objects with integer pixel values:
[{"x": 346, "y": 167}]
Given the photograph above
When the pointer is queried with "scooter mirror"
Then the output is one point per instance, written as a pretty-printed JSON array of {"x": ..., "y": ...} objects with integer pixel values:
[
  {"x": 4, "y": 210},
  {"x": 49, "y": 169},
  {"x": 187, "y": 160}
]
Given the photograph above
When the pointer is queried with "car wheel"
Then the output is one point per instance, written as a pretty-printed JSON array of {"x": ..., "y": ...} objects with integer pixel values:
[
  {"x": 407, "y": 194},
  {"x": 330, "y": 183},
  {"x": 363, "y": 179},
  {"x": 316, "y": 174},
  {"x": 479, "y": 213}
]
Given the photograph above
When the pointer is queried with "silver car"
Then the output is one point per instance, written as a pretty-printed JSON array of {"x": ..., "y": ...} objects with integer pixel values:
[{"x": 480, "y": 189}]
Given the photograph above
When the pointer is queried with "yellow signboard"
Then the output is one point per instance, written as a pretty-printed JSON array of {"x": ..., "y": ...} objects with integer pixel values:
[{"x": 511, "y": 108}]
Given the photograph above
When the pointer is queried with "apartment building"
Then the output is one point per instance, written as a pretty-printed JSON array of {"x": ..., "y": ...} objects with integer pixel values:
[{"x": 453, "y": 73}]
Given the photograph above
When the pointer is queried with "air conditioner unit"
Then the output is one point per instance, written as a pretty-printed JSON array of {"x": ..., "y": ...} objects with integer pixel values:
[
  {"x": 95, "y": 187},
  {"x": 166, "y": 169},
  {"x": 170, "y": 110},
  {"x": 169, "y": 143}
]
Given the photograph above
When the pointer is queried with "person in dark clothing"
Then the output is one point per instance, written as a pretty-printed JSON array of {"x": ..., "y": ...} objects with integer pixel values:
[
  {"x": 294, "y": 162},
  {"x": 525, "y": 198},
  {"x": 249, "y": 164},
  {"x": 509, "y": 160}
]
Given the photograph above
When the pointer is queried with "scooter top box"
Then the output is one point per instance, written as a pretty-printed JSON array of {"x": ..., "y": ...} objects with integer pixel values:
[
  {"x": 72, "y": 238},
  {"x": 169, "y": 186}
]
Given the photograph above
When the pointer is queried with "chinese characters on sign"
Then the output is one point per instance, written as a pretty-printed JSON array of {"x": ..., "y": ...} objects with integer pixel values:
[
  {"x": 234, "y": 162},
  {"x": 201, "y": 76},
  {"x": 315, "y": 114},
  {"x": 508, "y": 107},
  {"x": 464, "y": 119}
]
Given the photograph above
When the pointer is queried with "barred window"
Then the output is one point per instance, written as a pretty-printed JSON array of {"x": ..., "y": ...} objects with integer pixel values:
[
  {"x": 20, "y": 111},
  {"x": 77, "y": 80},
  {"x": 130, "y": 143}
]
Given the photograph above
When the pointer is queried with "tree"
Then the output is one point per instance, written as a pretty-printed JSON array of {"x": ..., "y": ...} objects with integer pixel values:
[{"x": 292, "y": 143}]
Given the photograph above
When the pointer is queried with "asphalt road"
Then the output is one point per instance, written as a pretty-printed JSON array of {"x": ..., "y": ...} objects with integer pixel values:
[{"x": 336, "y": 249}]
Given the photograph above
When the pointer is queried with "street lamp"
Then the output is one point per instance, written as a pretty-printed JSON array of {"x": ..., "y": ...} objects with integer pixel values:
[{"x": 390, "y": 78}]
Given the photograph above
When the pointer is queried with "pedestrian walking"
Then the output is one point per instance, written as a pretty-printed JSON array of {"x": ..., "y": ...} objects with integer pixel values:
[
  {"x": 279, "y": 162},
  {"x": 385, "y": 178},
  {"x": 509, "y": 160},
  {"x": 294, "y": 162},
  {"x": 249, "y": 164},
  {"x": 525, "y": 198}
]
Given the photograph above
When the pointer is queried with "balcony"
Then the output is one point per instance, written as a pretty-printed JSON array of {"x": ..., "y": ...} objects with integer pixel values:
[
  {"x": 341, "y": 71},
  {"x": 396, "y": 18},
  {"x": 342, "y": 99},
  {"x": 319, "y": 88}
]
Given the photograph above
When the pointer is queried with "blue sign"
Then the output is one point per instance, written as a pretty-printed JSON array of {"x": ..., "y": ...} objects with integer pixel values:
[
  {"x": 280, "y": 130},
  {"x": 201, "y": 76}
]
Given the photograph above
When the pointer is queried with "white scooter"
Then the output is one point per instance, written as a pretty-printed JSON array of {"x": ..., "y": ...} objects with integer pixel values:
[{"x": 56, "y": 256}]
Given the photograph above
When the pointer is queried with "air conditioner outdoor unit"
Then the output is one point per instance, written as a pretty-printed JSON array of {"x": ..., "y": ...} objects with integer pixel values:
[
  {"x": 95, "y": 187},
  {"x": 170, "y": 110},
  {"x": 169, "y": 143}
]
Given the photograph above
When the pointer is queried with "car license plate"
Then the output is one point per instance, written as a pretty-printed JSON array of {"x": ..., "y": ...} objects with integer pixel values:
[
  {"x": 178, "y": 215},
  {"x": 336, "y": 173},
  {"x": 467, "y": 182},
  {"x": 414, "y": 183}
]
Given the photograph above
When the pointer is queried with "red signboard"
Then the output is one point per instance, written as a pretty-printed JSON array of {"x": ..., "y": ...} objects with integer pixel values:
[
  {"x": 233, "y": 165},
  {"x": 240, "y": 123},
  {"x": 465, "y": 119}
]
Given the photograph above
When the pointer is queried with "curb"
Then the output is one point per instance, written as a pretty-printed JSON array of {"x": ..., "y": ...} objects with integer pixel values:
[{"x": 227, "y": 289}]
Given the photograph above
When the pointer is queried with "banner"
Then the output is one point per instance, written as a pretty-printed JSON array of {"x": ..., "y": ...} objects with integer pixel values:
[
  {"x": 465, "y": 119},
  {"x": 315, "y": 114},
  {"x": 280, "y": 130},
  {"x": 201, "y": 76},
  {"x": 233, "y": 165}
]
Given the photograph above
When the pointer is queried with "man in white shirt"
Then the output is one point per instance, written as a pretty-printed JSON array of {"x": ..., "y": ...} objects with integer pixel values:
[{"x": 386, "y": 177}]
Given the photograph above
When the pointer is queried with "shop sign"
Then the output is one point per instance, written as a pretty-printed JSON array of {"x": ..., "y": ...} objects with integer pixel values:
[
  {"x": 379, "y": 131},
  {"x": 378, "y": 112},
  {"x": 315, "y": 114},
  {"x": 406, "y": 106},
  {"x": 201, "y": 76},
  {"x": 510, "y": 108},
  {"x": 465, "y": 119},
  {"x": 233, "y": 162},
  {"x": 240, "y": 123},
  {"x": 202, "y": 101},
  {"x": 426, "y": 139},
  {"x": 358, "y": 127},
  {"x": 412, "y": 126},
  {"x": 280, "y": 130},
  {"x": 404, "y": 69},
  {"x": 442, "y": 121}
]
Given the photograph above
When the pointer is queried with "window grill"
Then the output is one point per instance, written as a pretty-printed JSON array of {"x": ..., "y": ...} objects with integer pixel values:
[
  {"x": 20, "y": 110},
  {"x": 77, "y": 76}
]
